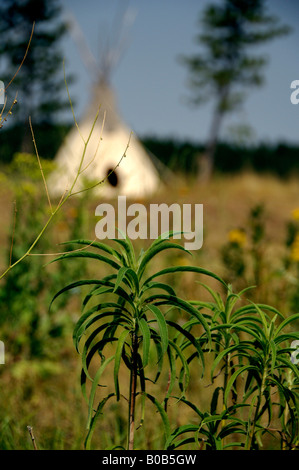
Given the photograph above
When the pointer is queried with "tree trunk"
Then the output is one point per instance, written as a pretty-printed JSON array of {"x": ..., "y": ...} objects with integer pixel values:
[{"x": 207, "y": 159}]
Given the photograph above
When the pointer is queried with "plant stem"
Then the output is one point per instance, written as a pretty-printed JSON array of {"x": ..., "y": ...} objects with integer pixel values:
[
  {"x": 257, "y": 409},
  {"x": 30, "y": 430},
  {"x": 133, "y": 386}
]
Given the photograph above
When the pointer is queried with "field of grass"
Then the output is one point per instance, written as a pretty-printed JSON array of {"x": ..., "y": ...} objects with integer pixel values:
[{"x": 40, "y": 380}]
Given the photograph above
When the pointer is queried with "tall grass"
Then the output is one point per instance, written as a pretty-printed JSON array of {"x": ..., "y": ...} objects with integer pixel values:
[
  {"x": 136, "y": 328},
  {"x": 249, "y": 344}
]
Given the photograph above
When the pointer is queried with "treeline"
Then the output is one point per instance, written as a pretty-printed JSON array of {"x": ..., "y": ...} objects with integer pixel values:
[
  {"x": 48, "y": 139},
  {"x": 180, "y": 156},
  {"x": 281, "y": 158}
]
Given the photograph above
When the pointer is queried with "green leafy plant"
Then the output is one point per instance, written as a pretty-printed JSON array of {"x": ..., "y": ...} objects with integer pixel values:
[
  {"x": 3, "y": 112},
  {"x": 26, "y": 291},
  {"x": 251, "y": 357},
  {"x": 69, "y": 192},
  {"x": 133, "y": 314},
  {"x": 243, "y": 255}
]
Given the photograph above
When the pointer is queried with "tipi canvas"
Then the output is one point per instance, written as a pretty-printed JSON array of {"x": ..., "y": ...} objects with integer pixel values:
[{"x": 134, "y": 176}]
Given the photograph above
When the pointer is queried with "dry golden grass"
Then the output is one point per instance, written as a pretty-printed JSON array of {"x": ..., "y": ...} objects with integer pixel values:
[
  {"x": 227, "y": 200},
  {"x": 52, "y": 403}
]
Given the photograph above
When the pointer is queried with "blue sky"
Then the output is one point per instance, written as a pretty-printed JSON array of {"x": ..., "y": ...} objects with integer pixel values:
[{"x": 150, "y": 84}]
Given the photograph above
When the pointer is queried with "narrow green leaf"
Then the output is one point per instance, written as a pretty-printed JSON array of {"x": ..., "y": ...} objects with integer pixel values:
[
  {"x": 166, "y": 235},
  {"x": 214, "y": 400},
  {"x": 96, "y": 292},
  {"x": 192, "y": 406},
  {"x": 74, "y": 285},
  {"x": 172, "y": 372},
  {"x": 185, "y": 333},
  {"x": 120, "y": 275},
  {"x": 94, "y": 388},
  {"x": 162, "y": 414},
  {"x": 178, "y": 269},
  {"x": 157, "y": 343},
  {"x": 162, "y": 326},
  {"x": 146, "y": 336},
  {"x": 250, "y": 331},
  {"x": 191, "y": 339},
  {"x": 182, "y": 442},
  {"x": 96, "y": 349},
  {"x": 90, "y": 339},
  {"x": 105, "y": 281},
  {"x": 127, "y": 274},
  {"x": 100, "y": 246},
  {"x": 263, "y": 317},
  {"x": 153, "y": 251},
  {"x": 118, "y": 354},
  {"x": 142, "y": 387},
  {"x": 94, "y": 419},
  {"x": 289, "y": 365},
  {"x": 158, "y": 285},
  {"x": 233, "y": 378},
  {"x": 218, "y": 301},
  {"x": 251, "y": 309},
  {"x": 84, "y": 370},
  {"x": 290, "y": 319},
  {"x": 87, "y": 254},
  {"x": 286, "y": 337},
  {"x": 180, "y": 430},
  {"x": 126, "y": 243},
  {"x": 185, "y": 374},
  {"x": 133, "y": 276},
  {"x": 273, "y": 355},
  {"x": 183, "y": 305},
  {"x": 117, "y": 320},
  {"x": 82, "y": 324},
  {"x": 221, "y": 356},
  {"x": 110, "y": 289}
]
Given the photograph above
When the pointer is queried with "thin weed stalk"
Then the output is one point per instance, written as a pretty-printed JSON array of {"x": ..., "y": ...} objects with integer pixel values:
[{"x": 68, "y": 193}]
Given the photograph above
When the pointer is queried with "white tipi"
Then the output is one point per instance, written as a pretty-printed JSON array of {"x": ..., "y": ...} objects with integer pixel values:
[{"x": 135, "y": 177}]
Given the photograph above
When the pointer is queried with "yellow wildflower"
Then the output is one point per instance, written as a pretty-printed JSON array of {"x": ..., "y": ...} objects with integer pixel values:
[
  {"x": 295, "y": 213},
  {"x": 182, "y": 261},
  {"x": 237, "y": 236},
  {"x": 295, "y": 249}
]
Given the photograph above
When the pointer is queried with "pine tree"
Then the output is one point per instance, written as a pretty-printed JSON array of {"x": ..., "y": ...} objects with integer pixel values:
[
  {"x": 230, "y": 31},
  {"x": 40, "y": 82}
]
